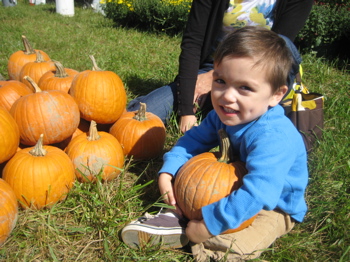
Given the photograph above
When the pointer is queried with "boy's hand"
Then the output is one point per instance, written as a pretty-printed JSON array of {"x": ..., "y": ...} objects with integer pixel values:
[
  {"x": 197, "y": 231},
  {"x": 167, "y": 191},
  {"x": 166, "y": 188}
]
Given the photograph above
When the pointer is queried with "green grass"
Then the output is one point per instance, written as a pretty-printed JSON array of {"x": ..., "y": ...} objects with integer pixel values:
[{"x": 86, "y": 226}]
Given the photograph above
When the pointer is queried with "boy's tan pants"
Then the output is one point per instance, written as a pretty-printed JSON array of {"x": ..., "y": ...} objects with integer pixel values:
[{"x": 248, "y": 243}]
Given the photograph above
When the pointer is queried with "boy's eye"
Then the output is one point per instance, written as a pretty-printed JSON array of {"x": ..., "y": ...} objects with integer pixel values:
[
  {"x": 219, "y": 81},
  {"x": 246, "y": 88}
]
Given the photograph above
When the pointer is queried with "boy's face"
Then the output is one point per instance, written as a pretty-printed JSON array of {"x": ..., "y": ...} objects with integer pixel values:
[{"x": 240, "y": 92}]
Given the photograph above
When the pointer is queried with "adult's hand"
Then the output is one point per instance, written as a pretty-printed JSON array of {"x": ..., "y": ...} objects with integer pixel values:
[
  {"x": 203, "y": 86},
  {"x": 187, "y": 122}
]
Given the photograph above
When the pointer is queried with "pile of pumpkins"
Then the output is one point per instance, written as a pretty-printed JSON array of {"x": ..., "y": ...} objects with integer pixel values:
[
  {"x": 58, "y": 125},
  {"x": 51, "y": 119}
]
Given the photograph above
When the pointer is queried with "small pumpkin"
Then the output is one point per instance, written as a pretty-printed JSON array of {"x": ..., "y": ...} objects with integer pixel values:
[
  {"x": 99, "y": 94},
  {"x": 52, "y": 113},
  {"x": 9, "y": 135},
  {"x": 59, "y": 79},
  {"x": 95, "y": 153},
  {"x": 8, "y": 211},
  {"x": 36, "y": 69},
  {"x": 10, "y": 91},
  {"x": 141, "y": 134},
  {"x": 40, "y": 176},
  {"x": 19, "y": 58},
  {"x": 207, "y": 178}
]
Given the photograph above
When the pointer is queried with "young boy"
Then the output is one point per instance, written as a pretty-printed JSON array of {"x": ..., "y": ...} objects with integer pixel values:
[{"x": 250, "y": 71}]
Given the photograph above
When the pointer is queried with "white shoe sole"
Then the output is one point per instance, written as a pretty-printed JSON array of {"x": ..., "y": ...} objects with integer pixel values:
[{"x": 141, "y": 235}]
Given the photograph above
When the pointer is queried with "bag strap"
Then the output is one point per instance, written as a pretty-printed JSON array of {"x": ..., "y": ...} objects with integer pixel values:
[
  {"x": 298, "y": 78},
  {"x": 299, "y": 87}
]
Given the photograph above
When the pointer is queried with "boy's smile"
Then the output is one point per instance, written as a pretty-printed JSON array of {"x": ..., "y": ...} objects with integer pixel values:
[{"x": 241, "y": 92}]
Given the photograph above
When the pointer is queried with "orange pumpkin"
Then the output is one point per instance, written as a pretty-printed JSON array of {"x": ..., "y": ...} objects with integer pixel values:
[
  {"x": 19, "y": 58},
  {"x": 8, "y": 210},
  {"x": 207, "y": 178},
  {"x": 9, "y": 135},
  {"x": 52, "y": 113},
  {"x": 40, "y": 176},
  {"x": 95, "y": 153},
  {"x": 99, "y": 94},
  {"x": 10, "y": 91},
  {"x": 141, "y": 134},
  {"x": 36, "y": 69},
  {"x": 83, "y": 127},
  {"x": 59, "y": 79}
]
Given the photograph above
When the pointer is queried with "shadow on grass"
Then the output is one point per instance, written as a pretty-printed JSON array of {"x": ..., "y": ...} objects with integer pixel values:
[
  {"x": 146, "y": 171},
  {"x": 139, "y": 86}
]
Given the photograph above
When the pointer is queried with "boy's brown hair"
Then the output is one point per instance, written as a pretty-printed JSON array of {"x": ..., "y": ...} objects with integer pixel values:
[{"x": 266, "y": 47}]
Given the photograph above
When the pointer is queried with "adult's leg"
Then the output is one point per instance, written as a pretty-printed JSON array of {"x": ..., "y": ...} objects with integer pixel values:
[
  {"x": 159, "y": 102},
  {"x": 162, "y": 101},
  {"x": 248, "y": 243}
]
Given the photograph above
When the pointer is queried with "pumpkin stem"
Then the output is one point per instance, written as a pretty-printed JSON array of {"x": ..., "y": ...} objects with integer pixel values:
[
  {"x": 38, "y": 149},
  {"x": 93, "y": 133},
  {"x": 141, "y": 114},
  {"x": 28, "y": 50},
  {"x": 60, "y": 71},
  {"x": 2, "y": 78},
  {"x": 39, "y": 57},
  {"x": 225, "y": 148},
  {"x": 33, "y": 84},
  {"x": 94, "y": 64}
]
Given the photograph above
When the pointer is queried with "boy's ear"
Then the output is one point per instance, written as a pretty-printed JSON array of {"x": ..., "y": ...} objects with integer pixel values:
[{"x": 278, "y": 95}]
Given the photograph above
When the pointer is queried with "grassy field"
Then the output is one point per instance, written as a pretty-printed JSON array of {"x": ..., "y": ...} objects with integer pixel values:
[{"x": 86, "y": 226}]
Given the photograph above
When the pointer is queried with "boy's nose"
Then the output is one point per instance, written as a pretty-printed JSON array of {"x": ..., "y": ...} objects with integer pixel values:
[{"x": 230, "y": 95}]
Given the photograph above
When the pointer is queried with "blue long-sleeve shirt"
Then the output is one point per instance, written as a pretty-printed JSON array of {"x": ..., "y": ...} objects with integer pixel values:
[{"x": 275, "y": 158}]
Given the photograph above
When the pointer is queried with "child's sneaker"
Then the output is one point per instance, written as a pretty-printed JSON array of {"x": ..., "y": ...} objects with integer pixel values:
[{"x": 166, "y": 229}]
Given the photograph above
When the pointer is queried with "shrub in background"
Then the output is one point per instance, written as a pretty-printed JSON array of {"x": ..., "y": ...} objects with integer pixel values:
[
  {"x": 327, "y": 26},
  {"x": 327, "y": 29},
  {"x": 333, "y": 3},
  {"x": 121, "y": 12},
  {"x": 168, "y": 16}
]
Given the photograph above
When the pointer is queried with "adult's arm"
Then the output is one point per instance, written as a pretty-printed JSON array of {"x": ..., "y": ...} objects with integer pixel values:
[
  {"x": 202, "y": 27},
  {"x": 189, "y": 60},
  {"x": 291, "y": 16}
]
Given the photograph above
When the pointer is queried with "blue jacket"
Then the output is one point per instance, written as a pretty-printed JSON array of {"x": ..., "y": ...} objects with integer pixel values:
[{"x": 276, "y": 160}]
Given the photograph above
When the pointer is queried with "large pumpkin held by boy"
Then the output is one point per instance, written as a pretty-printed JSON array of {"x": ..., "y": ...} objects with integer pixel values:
[{"x": 207, "y": 178}]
